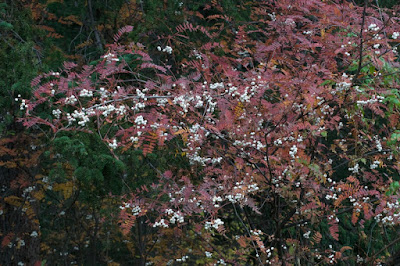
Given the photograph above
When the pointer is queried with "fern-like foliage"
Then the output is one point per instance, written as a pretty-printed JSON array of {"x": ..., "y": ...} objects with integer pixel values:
[{"x": 123, "y": 30}]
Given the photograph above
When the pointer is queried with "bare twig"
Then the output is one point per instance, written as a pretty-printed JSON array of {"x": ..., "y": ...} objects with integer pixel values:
[
  {"x": 361, "y": 39},
  {"x": 372, "y": 258}
]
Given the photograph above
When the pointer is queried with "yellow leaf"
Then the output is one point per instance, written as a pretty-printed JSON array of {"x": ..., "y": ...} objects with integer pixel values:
[
  {"x": 13, "y": 200},
  {"x": 39, "y": 176},
  {"x": 38, "y": 195},
  {"x": 30, "y": 213},
  {"x": 44, "y": 247},
  {"x": 65, "y": 188},
  {"x": 8, "y": 164},
  {"x": 239, "y": 109},
  {"x": 74, "y": 19},
  {"x": 182, "y": 131}
]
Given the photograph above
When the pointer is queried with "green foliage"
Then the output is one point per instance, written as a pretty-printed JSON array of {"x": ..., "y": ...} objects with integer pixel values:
[
  {"x": 97, "y": 170},
  {"x": 18, "y": 58},
  {"x": 393, "y": 188},
  {"x": 5, "y": 25},
  {"x": 21, "y": 59}
]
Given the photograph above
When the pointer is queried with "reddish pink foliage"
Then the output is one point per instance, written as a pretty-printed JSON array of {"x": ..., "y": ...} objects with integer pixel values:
[{"x": 279, "y": 128}]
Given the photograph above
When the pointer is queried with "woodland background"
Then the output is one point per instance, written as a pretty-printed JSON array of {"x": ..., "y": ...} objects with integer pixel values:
[{"x": 48, "y": 216}]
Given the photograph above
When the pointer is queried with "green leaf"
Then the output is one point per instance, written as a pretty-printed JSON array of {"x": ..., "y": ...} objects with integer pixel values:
[
  {"x": 328, "y": 82},
  {"x": 95, "y": 62},
  {"x": 396, "y": 185},
  {"x": 6, "y": 25},
  {"x": 371, "y": 69},
  {"x": 393, "y": 188}
]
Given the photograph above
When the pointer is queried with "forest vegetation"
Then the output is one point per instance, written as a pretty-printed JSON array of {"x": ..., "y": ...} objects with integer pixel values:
[{"x": 231, "y": 132}]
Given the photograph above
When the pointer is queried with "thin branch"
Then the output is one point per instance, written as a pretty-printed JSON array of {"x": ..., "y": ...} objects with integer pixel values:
[
  {"x": 248, "y": 232},
  {"x": 372, "y": 258},
  {"x": 361, "y": 39}
]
